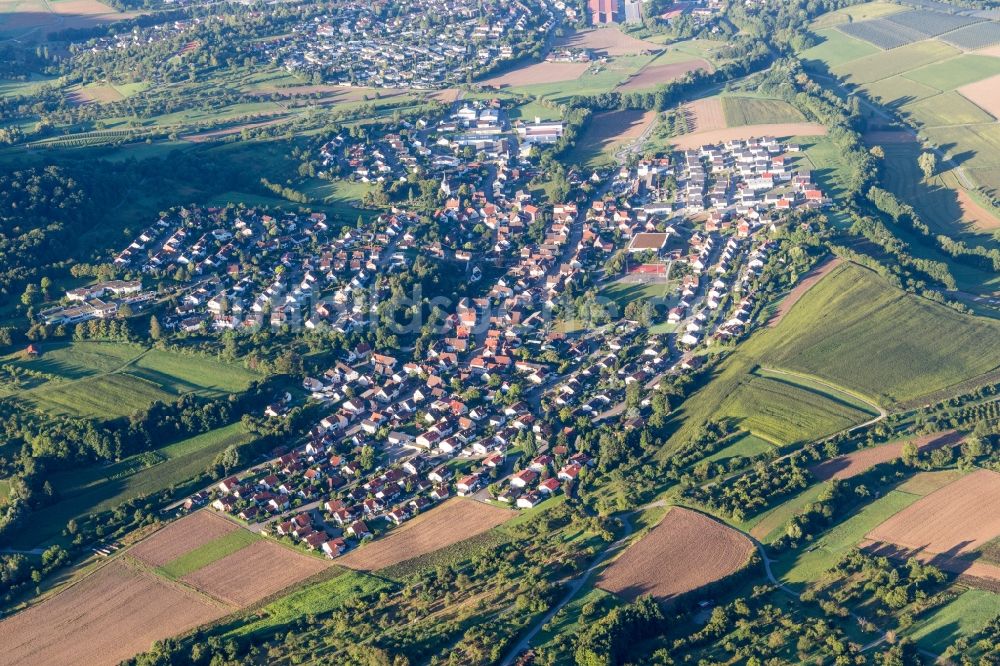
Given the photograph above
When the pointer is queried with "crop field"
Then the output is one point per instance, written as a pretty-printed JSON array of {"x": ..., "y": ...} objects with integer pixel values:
[
  {"x": 904, "y": 59},
  {"x": 859, "y": 462},
  {"x": 882, "y": 33},
  {"x": 653, "y": 75},
  {"x": 182, "y": 536},
  {"x": 609, "y": 41},
  {"x": 930, "y": 23},
  {"x": 706, "y": 114},
  {"x": 854, "y": 13},
  {"x": 254, "y": 573},
  {"x": 757, "y": 111},
  {"x": 607, "y": 131},
  {"x": 948, "y": 108},
  {"x": 837, "y": 48},
  {"x": 99, "y": 488},
  {"x": 540, "y": 72},
  {"x": 208, "y": 552},
  {"x": 898, "y": 90},
  {"x": 956, "y": 72},
  {"x": 784, "y": 414},
  {"x": 107, "y": 396},
  {"x": 978, "y": 36},
  {"x": 912, "y": 346},
  {"x": 687, "y": 550},
  {"x": 985, "y": 94},
  {"x": 103, "y": 619},
  {"x": 455, "y": 520},
  {"x": 799, "y": 290},
  {"x": 954, "y": 521}
]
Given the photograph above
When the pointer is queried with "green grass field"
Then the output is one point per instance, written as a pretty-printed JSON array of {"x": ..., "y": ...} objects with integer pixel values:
[
  {"x": 868, "y": 10},
  {"x": 963, "y": 616},
  {"x": 808, "y": 565},
  {"x": 322, "y": 597},
  {"x": 623, "y": 293},
  {"x": 896, "y": 91},
  {"x": 744, "y": 445},
  {"x": 897, "y": 61},
  {"x": 98, "y": 488},
  {"x": 911, "y": 346},
  {"x": 956, "y": 72},
  {"x": 948, "y": 108},
  {"x": 107, "y": 380},
  {"x": 742, "y": 111},
  {"x": 785, "y": 414},
  {"x": 836, "y": 48},
  {"x": 207, "y": 553}
]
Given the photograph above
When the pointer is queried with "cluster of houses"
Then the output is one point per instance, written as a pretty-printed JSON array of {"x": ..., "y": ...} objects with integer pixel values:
[
  {"x": 97, "y": 301},
  {"x": 421, "y": 44},
  {"x": 244, "y": 268}
]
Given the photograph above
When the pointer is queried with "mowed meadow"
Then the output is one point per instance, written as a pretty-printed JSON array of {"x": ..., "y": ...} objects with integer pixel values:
[
  {"x": 852, "y": 344},
  {"x": 111, "y": 379}
]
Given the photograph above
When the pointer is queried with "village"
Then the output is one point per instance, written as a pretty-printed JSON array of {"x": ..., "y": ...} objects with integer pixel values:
[{"x": 470, "y": 415}]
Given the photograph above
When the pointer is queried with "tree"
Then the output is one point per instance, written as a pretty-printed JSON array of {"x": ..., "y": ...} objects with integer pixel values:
[
  {"x": 927, "y": 163},
  {"x": 155, "y": 332},
  {"x": 367, "y": 458}
]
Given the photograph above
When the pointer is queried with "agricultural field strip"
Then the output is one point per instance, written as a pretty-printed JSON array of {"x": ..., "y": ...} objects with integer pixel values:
[{"x": 207, "y": 553}]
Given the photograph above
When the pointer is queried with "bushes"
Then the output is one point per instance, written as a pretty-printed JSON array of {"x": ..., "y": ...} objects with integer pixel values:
[{"x": 608, "y": 640}]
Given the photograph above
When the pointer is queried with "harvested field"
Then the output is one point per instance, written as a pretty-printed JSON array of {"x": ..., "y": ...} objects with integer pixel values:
[
  {"x": 953, "y": 521},
  {"x": 684, "y": 552},
  {"x": 608, "y": 41},
  {"x": 182, "y": 536},
  {"x": 985, "y": 94},
  {"x": 707, "y": 114},
  {"x": 655, "y": 75},
  {"x": 541, "y": 72},
  {"x": 858, "y": 462},
  {"x": 607, "y": 131},
  {"x": 253, "y": 573},
  {"x": 105, "y": 618},
  {"x": 455, "y": 520},
  {"x": 698, "y": 139},
  {"x": 815, "y": 275}
]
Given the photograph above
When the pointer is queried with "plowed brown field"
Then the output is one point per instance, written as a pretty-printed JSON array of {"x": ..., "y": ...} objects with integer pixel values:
[
  {"x": 952, "y": 521},
  {"x": 107, "y": 617},
  {"x": 254, "y": 572},
  {"x": 181, "y": 536},
  {"x": 455, "y": 520},
  {"x": 684, "y": 552},
  {"x": 852, "y": 464},
  {"x": 985, "y": 94},
  {"x": 707, "y": 114},
  {"x": 541, "y": 72}
]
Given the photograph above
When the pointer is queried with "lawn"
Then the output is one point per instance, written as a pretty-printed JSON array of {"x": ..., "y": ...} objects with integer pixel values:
[
  {"x": 836, "y": 48},
  {"x": 965, "y": 615},
  {"x": 98, "y": 488},
  {"x": 808, "y": 565},
  {"x": 207, "y": 553},
  {"x": 742, "y": 111}
]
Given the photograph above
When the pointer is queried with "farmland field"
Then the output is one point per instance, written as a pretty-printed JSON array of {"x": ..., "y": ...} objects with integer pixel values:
[
  {"x": 254, "y": 573},
  {"x": 745, "y": 445},
  {"x": 895, "y": 91},
  {"x": 964, "y": 616},
  {"x": 607, "y": 131},
  {"x": 455, "y": 520},
  {"x": 858, "y": 462},
  {"x": 609, "y": 40},
  {"x": 103, "y": 619},
  {"x": 948, "y": 108},
  {"x": 542, "y": 72},
  {"x": 107, "y": 396},
  {"x": 707, "y": 114},
  {"x": 978, "y": 36},
  {"x": 687, "y": 550},
  {"x": 181, "y": 373},
  {"x": 756, "y": 111},
  {"x": 882, "y": 33},
  {"x": 783, "y": 130},
  {"x": 656, "y": 73},
  {"x": 931, "y": 23},
  {"x": 181, "y": 537},
  {"x": 883, "y": 65},
  {"x": 955, "y": 520},
  {"x": 912, "y": 346},
  {"x": 868, "y": 10},
  {"x": 836, "y": 48},
  {"x": 985, "y": 94},
  {"x": 956, "y": 72},
  {"x": 208, "y": 552},
  {"x": 799, "y": 290}
]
